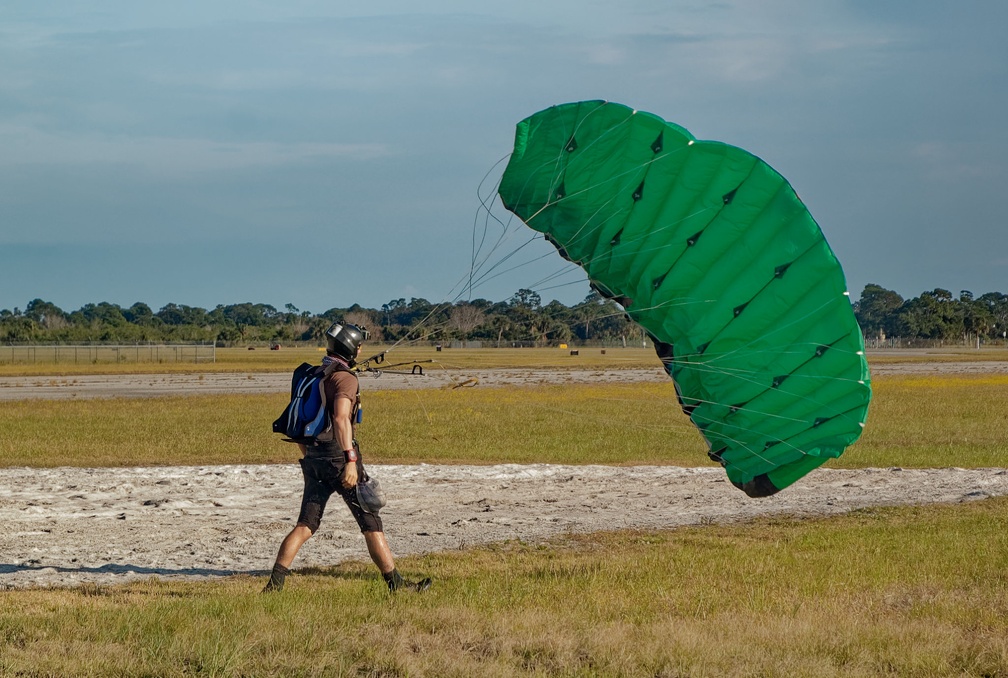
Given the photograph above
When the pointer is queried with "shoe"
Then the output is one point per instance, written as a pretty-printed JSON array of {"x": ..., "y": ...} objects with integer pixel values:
[{"x": 418, "y": 586}]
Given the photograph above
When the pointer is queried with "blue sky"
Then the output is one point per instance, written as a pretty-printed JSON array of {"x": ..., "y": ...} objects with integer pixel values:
[{"x": 322, "y": 154}]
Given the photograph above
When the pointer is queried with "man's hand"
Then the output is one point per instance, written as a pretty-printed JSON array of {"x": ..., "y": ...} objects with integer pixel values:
[{"x": 350, "y": 475}]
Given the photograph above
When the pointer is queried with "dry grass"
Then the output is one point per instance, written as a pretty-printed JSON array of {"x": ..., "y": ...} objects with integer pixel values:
[
  {"x": 934, "y": 421},
  {"x": 897, "y": 591},
  {"x": 913, "y": 422},
  {"x": 907, "y": 591}
]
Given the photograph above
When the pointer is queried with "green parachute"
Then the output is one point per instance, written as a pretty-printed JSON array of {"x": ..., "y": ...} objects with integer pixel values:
[{"x": 710, "y": 250}]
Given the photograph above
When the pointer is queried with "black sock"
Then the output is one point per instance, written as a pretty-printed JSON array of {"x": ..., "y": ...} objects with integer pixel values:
[
  {"x": 393, "y": 579},
  {"x": 277, "y": 577}
]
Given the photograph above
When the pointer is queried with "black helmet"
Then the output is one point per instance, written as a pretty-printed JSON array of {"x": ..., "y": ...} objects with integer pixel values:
[{"x": 344, "y": 340}]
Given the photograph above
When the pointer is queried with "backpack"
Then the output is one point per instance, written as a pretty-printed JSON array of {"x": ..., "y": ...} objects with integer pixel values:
[{"x": 306, "y": 419}]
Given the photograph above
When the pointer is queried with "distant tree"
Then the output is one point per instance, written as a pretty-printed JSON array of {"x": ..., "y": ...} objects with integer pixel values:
[
  {"x": 526, "y": 298},
  {"x": 997, "y": 304},
  {"x": 875, "y": 311},
  {"x": 464, "y": 319},
  {"x": 932, "y": 315},
  {"x": 139, "y": 314},
  {"x": 48, "y": 315},
  {"x": 589, "y": 310}
]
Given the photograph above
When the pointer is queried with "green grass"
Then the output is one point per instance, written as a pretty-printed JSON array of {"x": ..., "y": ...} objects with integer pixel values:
[
  {"x": 891, "y": 591},
  {"x": 913, "y": 422},
  {"x": 898, "y": 591}
]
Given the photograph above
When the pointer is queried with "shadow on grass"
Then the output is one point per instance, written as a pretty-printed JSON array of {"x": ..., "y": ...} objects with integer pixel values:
[
  {"x": 352, "y": 573},
  {"x": 361, "y": 573},
  {"x": 126, "y": 568}
]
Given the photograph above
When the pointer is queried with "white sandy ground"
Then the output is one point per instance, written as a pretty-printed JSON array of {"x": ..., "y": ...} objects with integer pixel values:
[
  {"x": 67, "y": 526},
  {"x": 153, "y": 385}
]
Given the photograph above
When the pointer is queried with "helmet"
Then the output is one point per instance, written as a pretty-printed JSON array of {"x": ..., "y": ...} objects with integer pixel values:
[{"x": 344, "y": 340}]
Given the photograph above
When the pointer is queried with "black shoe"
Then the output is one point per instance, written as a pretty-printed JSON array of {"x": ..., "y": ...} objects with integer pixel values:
[
  {"x": 405, "y": 584},
  {"x": 276, "y": 580}
]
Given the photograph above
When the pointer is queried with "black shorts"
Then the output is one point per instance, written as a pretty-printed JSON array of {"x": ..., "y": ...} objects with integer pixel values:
[{"x": 322, "y": 477}]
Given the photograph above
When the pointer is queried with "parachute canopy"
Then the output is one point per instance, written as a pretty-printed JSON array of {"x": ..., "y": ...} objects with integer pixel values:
[{"x": 712, "y": 253}]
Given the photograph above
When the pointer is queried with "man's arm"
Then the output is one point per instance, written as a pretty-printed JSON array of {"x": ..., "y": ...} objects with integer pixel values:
[{"x": 344, "y": 436}]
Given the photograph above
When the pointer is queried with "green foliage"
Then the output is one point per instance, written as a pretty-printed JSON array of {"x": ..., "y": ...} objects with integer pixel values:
[
  {"x": 935, "y": 315},
  {"x": 522, "y": 321}
]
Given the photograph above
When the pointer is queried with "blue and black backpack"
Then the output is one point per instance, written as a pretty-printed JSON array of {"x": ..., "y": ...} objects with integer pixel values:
[{"x": 306, "y": 418}]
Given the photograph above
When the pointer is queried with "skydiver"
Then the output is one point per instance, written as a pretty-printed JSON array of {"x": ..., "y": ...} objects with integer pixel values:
[{"x": 336, "y": 466}]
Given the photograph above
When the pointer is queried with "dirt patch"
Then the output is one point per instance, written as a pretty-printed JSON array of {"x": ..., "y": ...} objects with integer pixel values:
[
  {"x": 68, "y": 526},
  {"x": 155, "y": 385}
]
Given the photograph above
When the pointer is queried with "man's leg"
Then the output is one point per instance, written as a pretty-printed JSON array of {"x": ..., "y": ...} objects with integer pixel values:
[
  {"x": 381, "y": 554},
  {"x": 379, "y": 550},
  {"x": 289, "y": 548},
  {"x": 292, "y": 543}
]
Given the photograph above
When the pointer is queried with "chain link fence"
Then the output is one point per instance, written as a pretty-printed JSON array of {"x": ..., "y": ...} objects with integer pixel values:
[{"x": 107, "y": 353}]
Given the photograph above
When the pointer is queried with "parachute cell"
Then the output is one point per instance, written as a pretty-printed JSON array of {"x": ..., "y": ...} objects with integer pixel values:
[{"x": 710, "y": 250}]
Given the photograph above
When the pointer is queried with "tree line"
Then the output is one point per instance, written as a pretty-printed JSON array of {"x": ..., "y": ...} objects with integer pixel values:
[
  {"x": 522, "y": 319},
  {"x": 935, "y": 316}
]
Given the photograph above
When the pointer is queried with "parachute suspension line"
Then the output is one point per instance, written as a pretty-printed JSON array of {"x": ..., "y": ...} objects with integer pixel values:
[
  {"x": 476, "y": 249},
  {"x": 476, "y": 265},
  {"x": 479, "y": 272}
]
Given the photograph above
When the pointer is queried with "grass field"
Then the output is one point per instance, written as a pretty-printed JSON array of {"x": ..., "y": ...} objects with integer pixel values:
[
  {"x": 895, "y": 591},
  {"x": 899, "y": 591},
  {"x": 914, "y": 421}
]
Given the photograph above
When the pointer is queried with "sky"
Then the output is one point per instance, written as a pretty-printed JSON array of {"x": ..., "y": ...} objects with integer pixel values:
[{"x": 322, "y": 154}]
